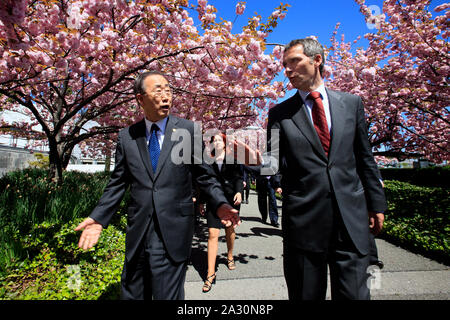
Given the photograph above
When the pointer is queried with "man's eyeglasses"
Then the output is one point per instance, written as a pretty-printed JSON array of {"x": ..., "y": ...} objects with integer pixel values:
[{"x": 160, "y": 93}]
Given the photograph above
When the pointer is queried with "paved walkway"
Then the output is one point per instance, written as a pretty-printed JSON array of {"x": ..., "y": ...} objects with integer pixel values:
[{"x": 259, "y": 272}]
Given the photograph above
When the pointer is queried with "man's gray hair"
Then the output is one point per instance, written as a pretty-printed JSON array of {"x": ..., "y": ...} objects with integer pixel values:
[
  {"x": 139, "y": 81},
  {"x": 311, "y": 47}
]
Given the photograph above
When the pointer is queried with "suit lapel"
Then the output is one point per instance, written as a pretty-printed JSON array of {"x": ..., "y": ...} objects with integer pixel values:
[
  {"x": 141, "y": 141},
  {"x": 337, "y": 111},
  {"x": 304, "y": 123},
  {"x": 167, "y": 144}
]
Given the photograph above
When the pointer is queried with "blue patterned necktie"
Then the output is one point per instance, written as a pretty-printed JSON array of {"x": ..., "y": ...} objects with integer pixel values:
[{"x": 153, "y": 147}]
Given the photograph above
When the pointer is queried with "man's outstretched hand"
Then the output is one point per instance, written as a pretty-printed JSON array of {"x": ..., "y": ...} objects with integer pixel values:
[
  {"x": 228, "y": 215},
  {"x": 91, "y": 233},
  {"x": 243, "y": 152}
]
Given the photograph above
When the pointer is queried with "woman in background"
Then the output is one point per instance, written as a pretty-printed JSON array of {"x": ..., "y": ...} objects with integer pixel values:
[{"x": 230, "y": 177}]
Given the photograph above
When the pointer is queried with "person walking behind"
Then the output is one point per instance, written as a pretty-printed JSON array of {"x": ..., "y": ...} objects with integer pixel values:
[
  {"x": 247, "y": 182},
  {"x": 230, "y": 177},
  {"x": 266, "y": 191}
]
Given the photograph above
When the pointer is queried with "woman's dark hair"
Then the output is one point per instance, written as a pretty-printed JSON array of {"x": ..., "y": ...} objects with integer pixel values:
[{"x": 224, "y": 137}]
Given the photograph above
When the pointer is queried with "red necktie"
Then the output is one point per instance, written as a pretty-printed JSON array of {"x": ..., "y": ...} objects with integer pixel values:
[{"x": 320, "y": 120}]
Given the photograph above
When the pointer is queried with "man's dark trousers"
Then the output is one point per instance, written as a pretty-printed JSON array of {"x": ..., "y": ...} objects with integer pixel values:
[
  {"x": 265, "y": 190},
  {"x": 306, "y": 271},
  {"x": 152, "y": 273}
]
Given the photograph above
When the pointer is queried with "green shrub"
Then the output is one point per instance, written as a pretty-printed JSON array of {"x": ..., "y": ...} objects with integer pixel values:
[
  {"x": 60, "y": 270},
  {"x": 39, "y": 256},
  {"x": 431, "y": 177},
  {"x": 418, "y": 218},
  {"x": 29, "y": 198},
  {"x": 41, "y": 161}
]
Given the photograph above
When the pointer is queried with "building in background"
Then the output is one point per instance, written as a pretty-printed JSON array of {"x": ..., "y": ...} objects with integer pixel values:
[{"x": 16, "y": 153}]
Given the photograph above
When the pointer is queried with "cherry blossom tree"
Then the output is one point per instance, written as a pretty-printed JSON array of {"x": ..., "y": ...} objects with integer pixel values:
[
  {"x": 69, "y": 65},
  {"x": 402, "y": 77}
]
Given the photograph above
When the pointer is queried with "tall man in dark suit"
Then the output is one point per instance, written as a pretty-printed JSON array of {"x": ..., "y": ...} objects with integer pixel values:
[
  {"x": 161, "y": 213},
  {"x": 332, "y": 196}
]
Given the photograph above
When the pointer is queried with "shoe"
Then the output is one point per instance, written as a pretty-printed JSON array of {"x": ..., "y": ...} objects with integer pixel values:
[
  {"x": 208, "y": 283},
  {"x": 275, "y": 224},
  {"x": 230, "y": 264},
  {"x": 379, "y": 264}
]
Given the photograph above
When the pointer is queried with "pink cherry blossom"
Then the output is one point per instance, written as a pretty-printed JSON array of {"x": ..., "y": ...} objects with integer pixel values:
[
  {"x": 402, "y": 77},
  {"x": 72, "y": 66},
  {"x": 240, "y": 8}
]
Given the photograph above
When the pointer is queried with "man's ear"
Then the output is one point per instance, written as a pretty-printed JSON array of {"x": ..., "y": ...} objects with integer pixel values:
[{"x": 317, "y": 60}]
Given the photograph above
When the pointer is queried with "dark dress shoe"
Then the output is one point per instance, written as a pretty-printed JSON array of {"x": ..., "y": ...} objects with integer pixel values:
[{"x": 380, "y": 264}]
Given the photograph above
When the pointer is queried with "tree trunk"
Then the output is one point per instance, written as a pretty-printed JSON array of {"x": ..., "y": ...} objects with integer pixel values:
[
  {"x": 56, "y": 159},
  {"x": 55, "y": 167},
  {"x": 65, "y": 156},
  {"x": 108, "y": 163},
  {"x": 108, "y": 160}
]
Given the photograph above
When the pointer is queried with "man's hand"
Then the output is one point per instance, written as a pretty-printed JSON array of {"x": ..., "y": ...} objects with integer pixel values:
[
  {"x": 250, "y": 156},
  {"x": 279, "y": 191},
  {"x": 228, "y": 215},
  {"x": 376, "y": 220},
  {"x": 237, "y": 199},
  {"x": 91, "y": 233}
]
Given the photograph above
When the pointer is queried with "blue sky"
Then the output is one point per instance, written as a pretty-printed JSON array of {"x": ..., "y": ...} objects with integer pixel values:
[{"x": 305, "y": 18}]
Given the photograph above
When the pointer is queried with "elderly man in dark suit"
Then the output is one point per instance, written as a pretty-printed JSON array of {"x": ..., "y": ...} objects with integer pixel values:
[
  {"x": 332, "y": 196},
  {"x": 161, "y": 213}
]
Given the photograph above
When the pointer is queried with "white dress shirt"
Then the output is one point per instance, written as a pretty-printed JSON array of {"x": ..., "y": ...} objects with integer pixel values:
[
  {"x": 160, "y": 133},
  {"x": 219, "y": 164},
  {"x": 309, "y": 104}
]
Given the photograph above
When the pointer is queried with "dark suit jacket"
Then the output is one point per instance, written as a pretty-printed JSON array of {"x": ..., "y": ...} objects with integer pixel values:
[
  {"x": 310, "y": 181},
  {"x": 246, "y": 175},
  {"x": 231, "y": 178},
  {"x": 166, "y": 193},
  {"x": 261, "y": 180}
]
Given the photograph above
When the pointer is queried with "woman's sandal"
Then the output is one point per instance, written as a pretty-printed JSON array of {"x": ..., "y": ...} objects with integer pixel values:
[
  {"x": 208, "y": 283},
  {"x": 230, "y": 264}
]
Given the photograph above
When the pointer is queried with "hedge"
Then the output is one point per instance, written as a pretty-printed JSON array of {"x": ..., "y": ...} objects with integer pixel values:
[
  {"x": 431, "y": 176},
  {"x": 418, "y": 218},
  {"x": 62, "y": 271},
  {"x": 39, "y": 256},
  {"x": 29, "y": 198}
]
